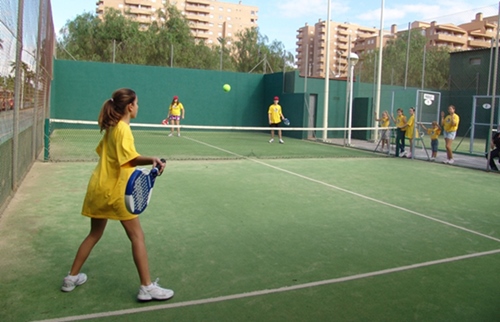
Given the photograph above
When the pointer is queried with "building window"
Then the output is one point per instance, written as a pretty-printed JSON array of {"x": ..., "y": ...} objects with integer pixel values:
[{"x": 475, "y": 61}]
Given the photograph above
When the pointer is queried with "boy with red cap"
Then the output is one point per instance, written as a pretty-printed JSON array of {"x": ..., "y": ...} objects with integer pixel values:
[{"x": 275, "y": 116}]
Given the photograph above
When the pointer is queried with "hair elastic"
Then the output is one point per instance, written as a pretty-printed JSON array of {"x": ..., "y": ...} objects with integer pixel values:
[{"x": 111, "y": 99}]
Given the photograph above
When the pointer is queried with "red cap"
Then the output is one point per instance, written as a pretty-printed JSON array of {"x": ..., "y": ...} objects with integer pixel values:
[
  {"x": 276, "y": 98},
  {"x": 176, "y": 97}
]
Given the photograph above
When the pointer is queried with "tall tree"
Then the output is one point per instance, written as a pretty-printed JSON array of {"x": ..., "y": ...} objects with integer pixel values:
[
  {"x": 251, "y": 52},
  {"x": 395, "y": 59},
  {"x": 168, "y": 41}
]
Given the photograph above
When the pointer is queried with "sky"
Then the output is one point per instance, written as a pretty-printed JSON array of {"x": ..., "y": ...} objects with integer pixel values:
[{"x": 280, "y": 19}]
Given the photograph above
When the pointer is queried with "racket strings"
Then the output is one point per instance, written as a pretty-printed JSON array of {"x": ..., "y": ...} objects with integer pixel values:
[{"x": 140, "y": 193}]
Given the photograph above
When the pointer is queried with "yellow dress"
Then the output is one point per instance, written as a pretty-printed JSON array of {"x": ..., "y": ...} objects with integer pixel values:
[
  {"x": 410, "y": 127},
  {"x": 105, "y": 198}
]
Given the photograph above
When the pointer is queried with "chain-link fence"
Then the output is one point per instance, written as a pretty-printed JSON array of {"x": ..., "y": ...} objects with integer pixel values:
[{"x": 26, "y": 54}]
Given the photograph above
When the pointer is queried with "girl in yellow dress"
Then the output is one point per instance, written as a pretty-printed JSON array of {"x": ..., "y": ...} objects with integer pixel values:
[
  {"x": 105, "y": 198},
  {"x": 175, "y": 113}
]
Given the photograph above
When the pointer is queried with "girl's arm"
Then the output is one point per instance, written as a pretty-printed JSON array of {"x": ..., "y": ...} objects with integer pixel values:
[
  {"x": 452, "y": 120},
  {"x": 143, "y": 160}
]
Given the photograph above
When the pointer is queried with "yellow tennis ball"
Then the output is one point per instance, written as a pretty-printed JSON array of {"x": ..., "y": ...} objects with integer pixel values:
[{"x": 226, "y": 87}]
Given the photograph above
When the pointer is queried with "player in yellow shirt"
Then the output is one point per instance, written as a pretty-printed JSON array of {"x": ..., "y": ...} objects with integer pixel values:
[
  {"x": 275, "y": 116},
  {"x": 385, "y": 133},
  {"x": 434, "y": 133},
  {"x": 175, "y": 113},
  {"x": 410, "y": 128},
  {"x": 450, "y": 127},
  {"x": 105, "y": 198},
  {"x": 400, "y": 122}
]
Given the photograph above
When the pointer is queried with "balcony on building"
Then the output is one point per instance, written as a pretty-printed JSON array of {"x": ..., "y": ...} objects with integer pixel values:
[
  {"x": 197, "y": 17},
  {"x": 478, "y": 40},
  {"x": 141, "y": 19},
  {"x": 200, "y": 34},
  {"x": 199, "y": 2},
  {"x": 198, "y": 25},
  {"x": 196, "y": 7},
  {"x": 145, "y": 3},
  {"x": 139, "y": 10}
]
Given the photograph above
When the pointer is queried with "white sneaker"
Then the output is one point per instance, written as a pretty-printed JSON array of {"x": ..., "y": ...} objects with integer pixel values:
[
  {"x": 408, "y": 155},
  {"x": 451, "y": 161},
  {"x": 154, "y": 292},
  {"x": 281, "y": 141},
  {"x": 271, "y": 141},
  {"x": 446, "y": 161},
  {"x": 178, "y": 134},
  {"x": 433, "y": 159},
  {"x": 170, "y": 134},
  {"x": 403, "y": 154},
  {"x": 70, "y": 282}
]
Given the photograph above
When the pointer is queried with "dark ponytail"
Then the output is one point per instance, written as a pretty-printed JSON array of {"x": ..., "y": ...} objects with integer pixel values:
[{"x": 115, "y": 108}]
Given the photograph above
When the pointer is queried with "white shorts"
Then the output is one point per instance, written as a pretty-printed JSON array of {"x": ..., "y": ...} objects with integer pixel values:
[{"x": 450, "y": 135}]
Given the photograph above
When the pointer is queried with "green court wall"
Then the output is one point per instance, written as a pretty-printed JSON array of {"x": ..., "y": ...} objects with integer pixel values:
[{"x": 80, "y": 88}]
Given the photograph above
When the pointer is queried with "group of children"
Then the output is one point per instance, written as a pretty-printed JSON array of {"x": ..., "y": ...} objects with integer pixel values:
[{"x": 405, "y": 128}]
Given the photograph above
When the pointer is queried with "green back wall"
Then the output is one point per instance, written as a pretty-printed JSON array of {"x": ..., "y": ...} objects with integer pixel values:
[{"x": 80, "y": 88}]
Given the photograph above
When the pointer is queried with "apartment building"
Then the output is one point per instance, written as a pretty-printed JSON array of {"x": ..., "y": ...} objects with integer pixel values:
[
  {"x": 476, "y": 34},
  {"x": 209, "y": 20},
  {"x": 311, "y": 42}
]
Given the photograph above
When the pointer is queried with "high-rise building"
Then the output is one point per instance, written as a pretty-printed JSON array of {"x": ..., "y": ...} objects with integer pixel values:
[
  {"x": 476, "y": 34},
  {"x": 209, "y": 20},
  {"x": 311, "y": 42}
]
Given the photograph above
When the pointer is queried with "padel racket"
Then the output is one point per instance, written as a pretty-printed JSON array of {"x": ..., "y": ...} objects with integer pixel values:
[
  {"x": 286, "y": 121},
  {"x": 164, "y": 122},
  {"x": 139, "y": 189}
]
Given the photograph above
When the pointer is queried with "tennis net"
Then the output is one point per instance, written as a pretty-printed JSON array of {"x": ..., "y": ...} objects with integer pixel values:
[{"x": 73, "y": 140}]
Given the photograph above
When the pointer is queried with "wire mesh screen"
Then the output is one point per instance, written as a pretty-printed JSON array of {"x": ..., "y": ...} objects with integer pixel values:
[{"x": 26, "y": 51}]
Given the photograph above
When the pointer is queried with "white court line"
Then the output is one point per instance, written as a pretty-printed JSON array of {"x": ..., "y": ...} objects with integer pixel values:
[
  {"x": 351, "y": 192},
  {"x": 300, "y": 286},
  {"x": 270, "y": 291}
]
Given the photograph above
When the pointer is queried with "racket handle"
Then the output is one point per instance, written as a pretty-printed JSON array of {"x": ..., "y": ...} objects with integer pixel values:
[{"x": 158, "y": 166}]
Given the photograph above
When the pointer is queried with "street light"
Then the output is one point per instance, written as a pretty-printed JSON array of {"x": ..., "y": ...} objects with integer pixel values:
[{"x": 352, "y": 60}]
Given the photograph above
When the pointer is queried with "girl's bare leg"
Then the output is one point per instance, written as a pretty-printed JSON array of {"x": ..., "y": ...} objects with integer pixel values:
[
  {"x": 139, "y": 251},
  {"x": 97, "y": 227}
]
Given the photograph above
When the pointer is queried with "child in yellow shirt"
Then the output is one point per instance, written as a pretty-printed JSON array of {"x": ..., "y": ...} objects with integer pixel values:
[{"x": 434, "y": 133}]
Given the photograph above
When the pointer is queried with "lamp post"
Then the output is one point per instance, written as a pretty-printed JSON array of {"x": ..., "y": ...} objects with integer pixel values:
[{"x": 352, "y": 59}]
